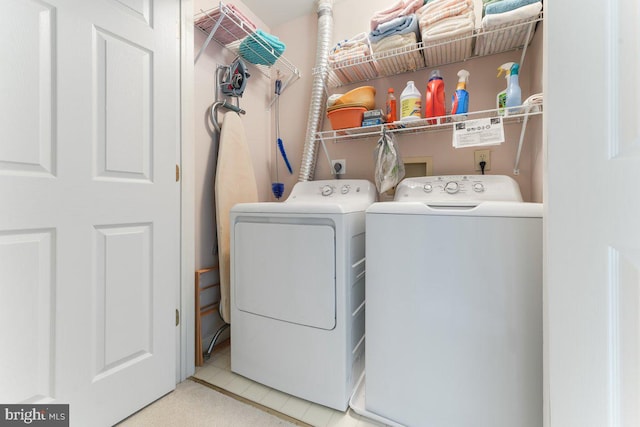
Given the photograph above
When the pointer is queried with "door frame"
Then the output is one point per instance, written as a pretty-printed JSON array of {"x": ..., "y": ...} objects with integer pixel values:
[{"x": 185, "y": 343}]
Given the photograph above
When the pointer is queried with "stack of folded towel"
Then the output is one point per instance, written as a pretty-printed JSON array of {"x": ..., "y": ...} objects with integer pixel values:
[
  {"x": 501, "y": 23},
  {"x": 399, "y": 35},
  {"x": 353, "y": 48},
  {"x": 261, "y": 48},
  {"x": 396, "y": 29},
  {"x": 396, "y": 33},
  {"x": 501, "y": 12},
  {"x": 399, "y": 8},
  {"x": 446, "y": 20},
  {"x": 349, "y": 52}
]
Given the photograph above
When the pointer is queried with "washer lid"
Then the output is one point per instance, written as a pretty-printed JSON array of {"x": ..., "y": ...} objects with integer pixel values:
[
  {"x": 481, "y": 209},
  {"x": 458, "y": 190}
]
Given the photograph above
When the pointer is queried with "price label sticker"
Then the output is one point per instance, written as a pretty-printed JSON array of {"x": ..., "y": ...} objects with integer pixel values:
[{"x": 479, "y": 132}]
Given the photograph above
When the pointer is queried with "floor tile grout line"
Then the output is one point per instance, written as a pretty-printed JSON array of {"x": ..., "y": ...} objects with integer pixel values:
[{"x": 242, "y": 399}]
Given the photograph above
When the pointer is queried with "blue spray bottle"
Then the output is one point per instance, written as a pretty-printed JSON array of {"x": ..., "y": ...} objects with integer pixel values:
[{"x": 460, "y": 99}]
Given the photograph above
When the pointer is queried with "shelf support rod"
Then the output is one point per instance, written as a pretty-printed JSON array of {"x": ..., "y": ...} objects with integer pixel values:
[
  {"x": 213, "y": 31},
  {"x": 284, "y": 86},
  {"x": 516, "y": 170},
  {"x": 326, "y": 153},
  {"x": 526, "y": 43}
]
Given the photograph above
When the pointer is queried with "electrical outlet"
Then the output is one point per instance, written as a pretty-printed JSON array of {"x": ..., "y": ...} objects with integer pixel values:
[
  {"x": 482, "y": 155},
  {"x": 339, "y": 166}
]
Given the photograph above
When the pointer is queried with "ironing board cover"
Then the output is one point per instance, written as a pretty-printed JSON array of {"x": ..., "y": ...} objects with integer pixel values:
[{"x": 235, "y": 183}]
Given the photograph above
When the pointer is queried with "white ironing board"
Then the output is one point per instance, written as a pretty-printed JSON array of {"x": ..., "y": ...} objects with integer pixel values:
[{"x": 235, "y": 183}]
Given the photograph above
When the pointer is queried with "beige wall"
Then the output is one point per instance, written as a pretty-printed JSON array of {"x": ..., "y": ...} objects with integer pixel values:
[
  {"x": 257, "y": 123},
  {"x": 351, "y": 17},
  {"x": 299, "y": 35}
]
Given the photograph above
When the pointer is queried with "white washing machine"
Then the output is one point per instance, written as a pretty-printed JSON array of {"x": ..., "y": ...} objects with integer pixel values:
[
  {"x": 297, "y": 290},
  {"x": 454, "y": 304}
]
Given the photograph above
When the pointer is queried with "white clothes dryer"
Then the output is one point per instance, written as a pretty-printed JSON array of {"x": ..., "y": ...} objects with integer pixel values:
[
  {"x": 454, "y": 304},
  {"x": 297, "y": 290}
]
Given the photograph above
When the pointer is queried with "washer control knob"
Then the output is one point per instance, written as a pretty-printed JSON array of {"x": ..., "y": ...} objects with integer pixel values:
[
  {"x": 327, "y": 190},
  {"x": 478, "y": 187},
  {"x": 345, "y": 189},
  {"x": 451, "y": 187},
  {"x": 427, "y": 188}
]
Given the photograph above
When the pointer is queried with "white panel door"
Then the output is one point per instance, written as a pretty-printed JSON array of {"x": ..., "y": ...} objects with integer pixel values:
[
  {"x": 89, "y": 204},
  {"x": 592, "y": 113}
]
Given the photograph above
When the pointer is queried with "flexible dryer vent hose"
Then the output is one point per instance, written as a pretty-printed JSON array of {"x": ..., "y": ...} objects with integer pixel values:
[{"x": 323, "y": 46}]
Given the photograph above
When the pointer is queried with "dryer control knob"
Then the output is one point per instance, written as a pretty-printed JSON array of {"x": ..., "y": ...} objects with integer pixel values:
[
  {"x": 345, "y": 189},
  {"x": 451, "y": 187},
  {"x": 327, "y": 190},
  {"x": 478, "y": 187},
  {"x": 427, "y": 188}
]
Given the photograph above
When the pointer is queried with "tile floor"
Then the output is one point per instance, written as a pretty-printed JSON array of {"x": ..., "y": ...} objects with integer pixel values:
[{"x": 217, "y": 371}]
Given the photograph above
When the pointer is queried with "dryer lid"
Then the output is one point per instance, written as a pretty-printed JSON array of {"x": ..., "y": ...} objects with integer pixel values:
[
  {"x": 349, "y": 194},
  {"x": 337, "y": 196}
]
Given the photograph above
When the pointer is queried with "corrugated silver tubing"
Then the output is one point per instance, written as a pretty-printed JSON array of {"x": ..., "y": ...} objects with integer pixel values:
[{"x": 318, "y": 94}]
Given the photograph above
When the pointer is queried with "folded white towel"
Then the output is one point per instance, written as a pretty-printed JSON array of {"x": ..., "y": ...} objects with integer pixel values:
[
  {"x": 402, "y": 60},
  {"x": 532, "y": 104},
  {"x": 360, "y": 38},
  {"x": 395, "y": 41},
  {"x": 356, "y": 47},
  {"x": 438, "y": 10},
  {"x": 525, "y": 12},
  {"x": 359, "y": 51},
  {"x": 449, "y": 27}
]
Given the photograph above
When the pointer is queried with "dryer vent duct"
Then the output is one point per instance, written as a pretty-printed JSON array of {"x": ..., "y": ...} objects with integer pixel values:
[{"x": 323, "y": 46}]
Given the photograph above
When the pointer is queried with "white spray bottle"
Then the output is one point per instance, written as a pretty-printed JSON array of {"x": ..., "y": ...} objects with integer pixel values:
[
  {"x": 501, "y": 98},
  {"x": 514, "y": 93}
]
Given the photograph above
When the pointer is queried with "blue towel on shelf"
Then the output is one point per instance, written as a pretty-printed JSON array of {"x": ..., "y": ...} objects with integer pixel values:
[
  {"x": 399, "y": 25},
  {"x": 261, "y": 48},
  {"x": 506, "y": 6}
]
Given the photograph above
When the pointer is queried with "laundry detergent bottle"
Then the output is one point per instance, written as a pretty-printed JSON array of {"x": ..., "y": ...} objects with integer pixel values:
[
  {"x": 514, "y": 93},
  {"x": 410, "y": 103},
  {"x": 460, "y": 99},
  {"x": 434, "y": 105},
  {"x": 391, "y": 107}
]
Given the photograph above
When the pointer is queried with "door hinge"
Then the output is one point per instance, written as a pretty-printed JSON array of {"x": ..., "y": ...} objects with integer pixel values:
[
  {"x": 177, "y": 173},
  {"x": 177, "y": 317}
]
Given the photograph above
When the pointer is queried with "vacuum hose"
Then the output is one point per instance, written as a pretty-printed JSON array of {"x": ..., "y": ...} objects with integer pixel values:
[{"x": 323, "y": 46}]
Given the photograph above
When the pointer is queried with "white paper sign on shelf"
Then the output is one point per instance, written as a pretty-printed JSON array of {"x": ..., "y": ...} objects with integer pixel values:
[{"x": 478, "y": 132}]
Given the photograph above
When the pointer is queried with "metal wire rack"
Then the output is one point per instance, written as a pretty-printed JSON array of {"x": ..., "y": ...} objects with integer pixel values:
[
  {"x": 479, "y": 42},
  {"x": 229, "y": 28}
]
